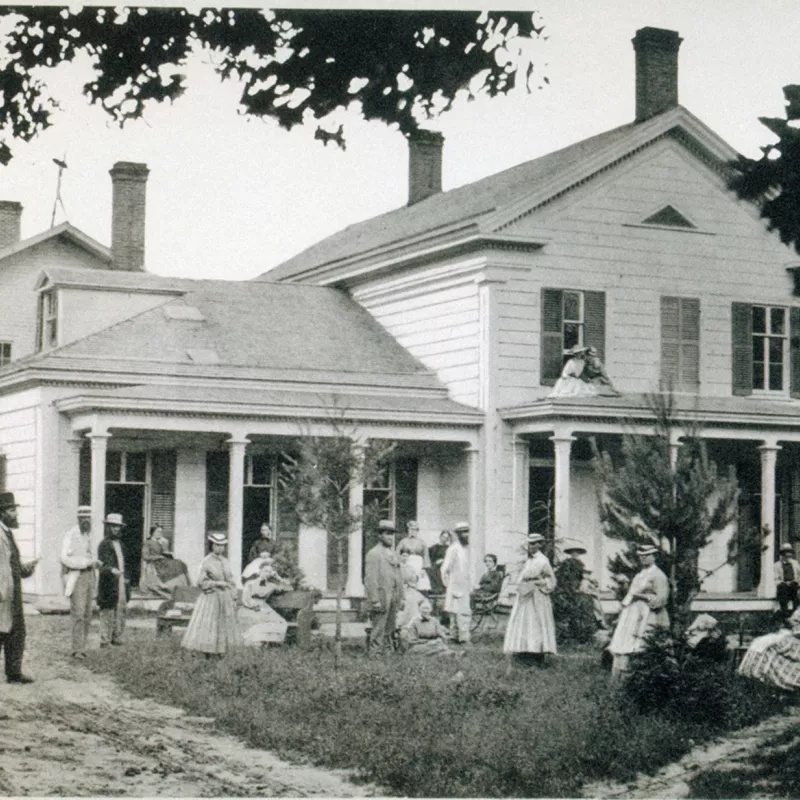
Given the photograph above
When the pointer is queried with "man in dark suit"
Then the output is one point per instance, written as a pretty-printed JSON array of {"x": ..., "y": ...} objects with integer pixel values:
[
  {"x": 113, "y": 588},
  {"x": 12, "y": 571}
]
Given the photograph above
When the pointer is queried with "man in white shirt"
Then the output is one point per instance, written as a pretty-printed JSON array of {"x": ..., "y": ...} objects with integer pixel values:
[
  {"x": 78, "y": 566},
  {"x": 455, "y": 576}
]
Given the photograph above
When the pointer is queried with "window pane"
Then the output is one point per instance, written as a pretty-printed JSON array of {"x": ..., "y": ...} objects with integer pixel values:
[
  {"x": 113, "y": 466},
  {"x": 572, "y": 306},
  {"x": 758, "y": 374},
  {"x": 136, "y": 467},
  {"x": 777, "y": 317},
  {"x": 572, "y": 334},
  {"x": 758, "y": 348},
  {"x": 759, "y": 319},
  {"x": 775, "y": 350},
  {"x": 776, "y": 377},
  {"x": 52, "y": 333}
]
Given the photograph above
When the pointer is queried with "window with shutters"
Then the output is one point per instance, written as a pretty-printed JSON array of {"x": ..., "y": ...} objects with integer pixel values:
[
  {"x": 5, "y": 353},
  {"x": 680, "y": 343},
  {"x": 569, "y": 317},
  {"x": 769, "y": 338},
  {"x": 48, "y": 320}
]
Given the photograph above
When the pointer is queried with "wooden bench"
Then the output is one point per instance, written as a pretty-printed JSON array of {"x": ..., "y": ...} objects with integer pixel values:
[{"x": 296, "y": 607}]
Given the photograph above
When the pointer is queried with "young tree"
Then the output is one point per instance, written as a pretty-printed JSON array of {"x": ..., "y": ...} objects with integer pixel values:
[
  {"x": 646, "y": 499},
  {"x": 294, "y": 64},
  {"x": 773, "y": 181},
  {"x": 317, "y": 479}
]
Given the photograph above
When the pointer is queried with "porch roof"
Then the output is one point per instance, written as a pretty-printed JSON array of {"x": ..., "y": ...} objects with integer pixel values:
[
  {"x": 231, "y": 401},
  {"x": 754, "y": 411}
]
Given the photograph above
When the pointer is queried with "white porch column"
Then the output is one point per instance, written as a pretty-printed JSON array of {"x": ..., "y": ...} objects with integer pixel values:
[
  {"x": 769, "y": 456},
  {"x": 236, "y": 451},
  {"x": 69, "y": 477},
  {"x": 562, "y": 444},
  {"x": 675, "y": 442},
  {"x": 99, "y": 444},
  {"x": 477, "y": 537},
  {"x": 355, "y": 542},
  {"x": 521, "y": 485}
]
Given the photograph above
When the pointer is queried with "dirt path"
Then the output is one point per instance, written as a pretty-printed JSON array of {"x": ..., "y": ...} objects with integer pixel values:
[
  {"x": 673, "y": 780},
  {"x": 74, "y": 733}
]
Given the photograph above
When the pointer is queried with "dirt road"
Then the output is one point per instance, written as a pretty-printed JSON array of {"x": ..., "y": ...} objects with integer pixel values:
[{"x": 74, "y": 733}]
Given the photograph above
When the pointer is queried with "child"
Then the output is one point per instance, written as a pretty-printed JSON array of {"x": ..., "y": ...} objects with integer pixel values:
[{"x": 213, "y": 629}]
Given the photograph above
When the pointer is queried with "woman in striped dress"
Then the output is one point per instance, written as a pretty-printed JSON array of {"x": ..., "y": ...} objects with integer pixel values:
[{"x": 213, "y": 629}]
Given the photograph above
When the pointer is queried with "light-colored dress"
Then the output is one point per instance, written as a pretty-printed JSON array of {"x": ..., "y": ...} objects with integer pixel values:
[
  {"x": 455, "y": 576},
  {"x": 260, "y": 623},
  {"x": 418, "y": 559},
  {"x": 571, "y": 383},
  {"x": 531, "y": 628},
  {"x": 411, "y": 596},
  {"x": 213, "y": 627},
  {"x": 774, "y": 659},
  {"x": 640, "y": 616}
]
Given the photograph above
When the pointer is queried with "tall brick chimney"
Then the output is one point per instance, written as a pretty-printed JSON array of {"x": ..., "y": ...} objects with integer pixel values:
[
  {"x": 129, "y": 182},
  {"x": 656, "y": 71},
  {"x": 424, "y": 165},
  {"x": 10, "y": 221}
]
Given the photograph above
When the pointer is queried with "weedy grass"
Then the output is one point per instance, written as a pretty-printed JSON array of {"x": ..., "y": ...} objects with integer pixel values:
[{"x": 405, "y": 725}]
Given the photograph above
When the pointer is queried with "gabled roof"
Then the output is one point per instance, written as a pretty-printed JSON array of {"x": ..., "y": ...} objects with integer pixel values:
[
  {"x": 488, "y": 205},
  {"x": 118, "y": 280},
  {"x": 248, "y": 330},
  {"x": 69, "y": 232}
]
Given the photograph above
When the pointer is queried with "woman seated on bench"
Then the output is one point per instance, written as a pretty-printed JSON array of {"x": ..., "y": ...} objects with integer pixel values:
[
  {"x": 775, "y": 657},
  {"x": 259, "y": 622},
  {"x": 161, "y": 571}
]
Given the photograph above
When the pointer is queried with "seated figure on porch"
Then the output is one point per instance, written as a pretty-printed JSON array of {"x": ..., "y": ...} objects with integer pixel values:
[
  {"x": 266, "y": 543},
  {"x": 161, "y": 571},
  {"x": 583, "y": 375},
  {"x": 259, "y": 622},
  {"x": 775, "y": 657}
]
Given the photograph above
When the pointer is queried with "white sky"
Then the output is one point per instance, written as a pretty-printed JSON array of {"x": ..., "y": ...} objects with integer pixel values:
[{"x": 230, "y": 197}]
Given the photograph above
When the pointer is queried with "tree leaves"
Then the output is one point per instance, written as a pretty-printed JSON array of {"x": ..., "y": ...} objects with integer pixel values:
[{"x": 399, "y": 67}]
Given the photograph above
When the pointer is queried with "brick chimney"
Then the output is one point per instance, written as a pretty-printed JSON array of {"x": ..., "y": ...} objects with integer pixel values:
[
  {"x": 656, "y": 71},
  {"x": 10, "y": 220},
  {"x": 129, "y": 182},
  {"x": 424, "y": 165}
]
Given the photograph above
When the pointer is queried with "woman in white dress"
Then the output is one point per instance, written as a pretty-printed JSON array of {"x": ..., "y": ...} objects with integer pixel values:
[
  {"x": 417, "y": 554},
  {"x": 411, "y": 595},
  {"x": 531, "y": 631},
  {"x": 643, "y": 609}
]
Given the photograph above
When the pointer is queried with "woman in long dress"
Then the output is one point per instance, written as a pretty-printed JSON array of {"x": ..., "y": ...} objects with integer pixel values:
[
  {"x": 213, "y": 629},
  {"x": 436, "y": 554},
  {"x": 775, "y": 657},
  {"x": 531, "y": 631},
  {"x": 411, "y": 595},
  {"x": 161, "y": 571},
  {"x": 643, "y": 608},
  {"x": 417, "y": 554},
  {"x": 259, "y": 622}
]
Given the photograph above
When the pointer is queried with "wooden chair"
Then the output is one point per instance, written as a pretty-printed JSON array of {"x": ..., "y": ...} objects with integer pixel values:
[{"x": 177, "y": 611}]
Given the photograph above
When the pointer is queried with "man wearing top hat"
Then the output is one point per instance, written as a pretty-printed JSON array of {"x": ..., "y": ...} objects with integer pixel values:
[
  {"x": 383, "y": 585},
  {"x": 12, "y": 571},
  {"x": 787, "y": 580},
  {"x": 113, "y": 587},
  {"x": 78, "y": 565},
  {"x": 455, "y": 576}
]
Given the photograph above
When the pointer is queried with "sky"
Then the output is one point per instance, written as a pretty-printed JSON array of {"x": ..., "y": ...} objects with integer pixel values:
[{"x": 230, "y": 196}]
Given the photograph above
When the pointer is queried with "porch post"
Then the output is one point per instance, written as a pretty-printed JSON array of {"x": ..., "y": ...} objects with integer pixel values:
[
  {"x": 562, "y": 444},
  {"x": 521, "y": 485},
  {"x": 236, "y": 450},
  {"x": 355, "y": 541},
  {"x": 477, "y": 541},
  {"x": 70, "y": 474},
  {"x": 675, "y": 442},
  {"x": 99, "y": 444},
  {"x": 769, "y": 457}
]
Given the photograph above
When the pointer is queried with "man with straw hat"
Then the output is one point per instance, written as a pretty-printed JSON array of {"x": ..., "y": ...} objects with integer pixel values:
[
  {"x": 113, "y": 587},
  {"x": 787, "y": 580},
  {"x": 78, "y": 565}
]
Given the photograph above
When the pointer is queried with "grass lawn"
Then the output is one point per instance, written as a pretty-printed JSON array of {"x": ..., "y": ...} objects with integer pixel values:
[{"x": 406, "y": 726}]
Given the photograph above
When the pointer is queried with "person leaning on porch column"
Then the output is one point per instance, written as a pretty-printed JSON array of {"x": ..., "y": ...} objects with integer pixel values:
[
  {"x": 113, "y": 587},
  {"x": 383, "y": 584},
  {"x": 455, "y": 576},
  {"x": 787, "y": 580},
  {"x": 12, "y": 571},
  {"x": 78, "y": 565}
]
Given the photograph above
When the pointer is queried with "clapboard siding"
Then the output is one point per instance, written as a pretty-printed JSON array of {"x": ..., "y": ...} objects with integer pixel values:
[
  {"x": 436, "y": 317},
  {"x": 595, "y": 244}
]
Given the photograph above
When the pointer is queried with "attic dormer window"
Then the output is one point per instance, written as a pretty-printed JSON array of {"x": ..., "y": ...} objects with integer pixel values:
[
  {"x": 48, "y": 320},
  {"x": 669, "y": 217}
]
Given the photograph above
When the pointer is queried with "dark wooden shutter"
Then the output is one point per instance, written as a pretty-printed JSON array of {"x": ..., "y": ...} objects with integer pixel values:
[
  {"x": 85, "y": 475},
  {"x": 670, "y": 341},
  {"x": 162, "y": 503},
  {"x": 551, "y": 357},
  {"x": 689, "y": 376},
  {"x": 680, "y": 342},
  {"x": 794, "y": 350},
  {"x": 594, "y": 322},
  {"x": 405, "y": 487},
  {"x": 742, "y": 348},
  {"x": 2, "y": 472}
]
